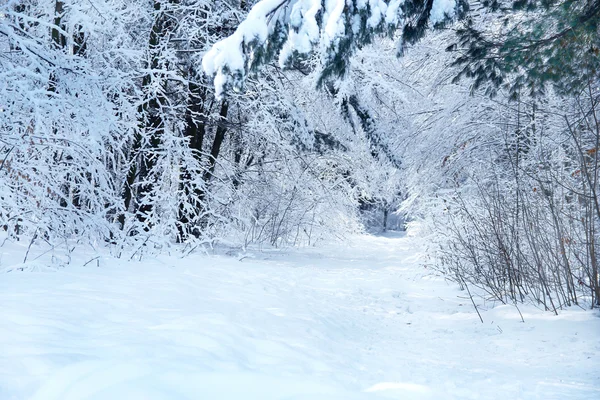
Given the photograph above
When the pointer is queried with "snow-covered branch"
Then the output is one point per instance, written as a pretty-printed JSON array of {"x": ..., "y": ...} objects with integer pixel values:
[{"x": 288, "y": 29}]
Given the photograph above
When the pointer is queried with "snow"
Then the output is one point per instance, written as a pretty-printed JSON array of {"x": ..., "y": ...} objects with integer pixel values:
[
  {"x": 365, "y": 320},
  {"x": 441, "y": 9},
  {"x": 226, "y": 54},
  {"x": 333, "y": 27},
  {"x": 392, "y": 12},
  {"x": 310, "y": 24},
  {"x": 305, "y": 32},
  {"x": 378, "y": 10}
]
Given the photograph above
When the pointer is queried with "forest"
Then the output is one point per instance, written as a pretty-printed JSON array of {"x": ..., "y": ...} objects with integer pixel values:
[{"x": 153, "y": 126}]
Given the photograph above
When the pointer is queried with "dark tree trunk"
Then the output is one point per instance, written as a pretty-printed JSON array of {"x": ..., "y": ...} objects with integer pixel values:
[
  {"x": 195, "y": 131},
  {"x": 143, "y": 155},
  {"x": 385, "y": 219},
  {"x": 216, "y": 146}
]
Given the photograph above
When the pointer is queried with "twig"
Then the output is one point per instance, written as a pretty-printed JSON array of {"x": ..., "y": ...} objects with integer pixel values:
[
  {"x": 471, "y": 297},
  {"x": 95, "y": 258},
  {"x": 29, "y": 247}
]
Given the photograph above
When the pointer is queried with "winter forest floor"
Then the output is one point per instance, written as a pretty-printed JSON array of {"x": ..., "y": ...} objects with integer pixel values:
[{"x": 365, "y": 320}]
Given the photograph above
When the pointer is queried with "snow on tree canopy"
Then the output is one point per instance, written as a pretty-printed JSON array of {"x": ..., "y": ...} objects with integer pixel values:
[
  {"x": 333, "y": 28},
  {"x": 441, "y": 10}
]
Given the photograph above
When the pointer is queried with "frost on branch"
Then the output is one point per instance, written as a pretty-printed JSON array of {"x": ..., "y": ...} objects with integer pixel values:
[{"x": 331, "y": 28}]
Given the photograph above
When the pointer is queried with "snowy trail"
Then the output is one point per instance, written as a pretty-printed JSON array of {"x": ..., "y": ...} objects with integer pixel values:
[{"x": 365, "y": 321}]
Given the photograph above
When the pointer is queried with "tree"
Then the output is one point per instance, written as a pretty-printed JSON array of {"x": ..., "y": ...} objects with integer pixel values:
[
  {"x": 531, "y": 45},
  {"x": 59, "y": 101},
  {"x": 291, "y": 29}
]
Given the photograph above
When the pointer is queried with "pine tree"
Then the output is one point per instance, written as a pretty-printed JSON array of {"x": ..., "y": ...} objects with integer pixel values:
[
  {"x": 292, "y": 29},
  {"x": 535, "y": 44},
  {"x": 523, "y": 44}
]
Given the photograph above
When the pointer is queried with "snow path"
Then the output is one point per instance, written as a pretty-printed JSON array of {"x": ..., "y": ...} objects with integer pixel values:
[{"x": 365, "y": 321}]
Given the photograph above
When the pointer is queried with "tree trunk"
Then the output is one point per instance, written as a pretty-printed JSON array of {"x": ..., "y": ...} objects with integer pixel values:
[
  {"x": 195, "y": 131},
  {"x": 216, "y": 147},
  {"x": 151, "y": 125},
  {"x": 385, "y": 219}
]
